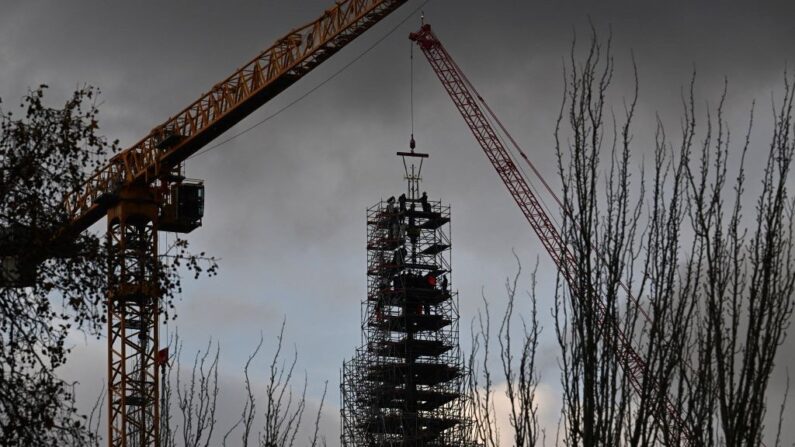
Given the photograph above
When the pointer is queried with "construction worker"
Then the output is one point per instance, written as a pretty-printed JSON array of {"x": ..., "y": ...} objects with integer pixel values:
[
  {"x": 403, "y": 254},
  {"x": 390, "y": 205},
  {"x": 402, "y": 201},
  {"x": 444, "y": 283},
  {"x": 379, "y": 309},
  {"x": 414, "y": 233},
  {"x": 397, "y": 282},
  {"x": 426, "y": 207}
]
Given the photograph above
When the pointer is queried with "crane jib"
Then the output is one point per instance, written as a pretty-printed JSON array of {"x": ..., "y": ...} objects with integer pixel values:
[{"x": 228, "y": 102}]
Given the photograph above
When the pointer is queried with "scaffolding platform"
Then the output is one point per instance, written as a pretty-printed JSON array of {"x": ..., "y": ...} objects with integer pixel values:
[
  {"x": 403, "y": 385},
  {"x": 410, "y": 295},
  {"x": 435, "y": 249},
  {"x": 395, "y": 398},
  {"x": 413, "y": 323},
  {"x": 429, "y": 427},
  {"x": 410, "y": 348},
  {"x": 421, "y": 373}
]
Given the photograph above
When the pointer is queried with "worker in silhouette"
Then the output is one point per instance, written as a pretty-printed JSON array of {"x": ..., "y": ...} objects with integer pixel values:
[
  {"x": 383, "y": 286},
  {"x": 390, "y": 205},
  {"x": 397, "y": 282},
  {"x": 426, "y": 207},
  {"x": 396, "y": 258},
  {"x": 402, "y": 201},
  {"x": 444, "y": 283}
]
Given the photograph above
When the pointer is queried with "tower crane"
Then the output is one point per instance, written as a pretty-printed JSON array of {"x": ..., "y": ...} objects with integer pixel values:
[
  {"x": 141, "y": 191},
  {"x": 465, "y": 98}
]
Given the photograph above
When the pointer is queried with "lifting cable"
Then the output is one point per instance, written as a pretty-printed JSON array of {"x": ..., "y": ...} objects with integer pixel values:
[{"x": 411, "y": 95}]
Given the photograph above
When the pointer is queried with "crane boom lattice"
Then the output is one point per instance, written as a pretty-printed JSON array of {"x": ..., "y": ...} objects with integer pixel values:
[{"x": 225, "y": 104}]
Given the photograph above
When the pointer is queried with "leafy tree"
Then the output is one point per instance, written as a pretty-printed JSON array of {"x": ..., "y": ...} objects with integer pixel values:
[{"x": 50, "y": 289}]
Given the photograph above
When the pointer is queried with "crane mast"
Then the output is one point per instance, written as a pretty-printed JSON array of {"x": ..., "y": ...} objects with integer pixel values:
[
  {"x": 465, "y": 98},
  {"x": 141, "y": 191}
]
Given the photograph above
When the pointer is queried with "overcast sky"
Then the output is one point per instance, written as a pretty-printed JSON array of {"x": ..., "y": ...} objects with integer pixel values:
[{"x": 285, "y": 202}]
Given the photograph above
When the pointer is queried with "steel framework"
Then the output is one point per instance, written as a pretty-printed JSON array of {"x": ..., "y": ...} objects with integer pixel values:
[
  {"x": 133, "y": 309},
  {"x": 403, "y": 385}
]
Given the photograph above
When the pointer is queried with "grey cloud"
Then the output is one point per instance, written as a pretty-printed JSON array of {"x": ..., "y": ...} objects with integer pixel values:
[{"x": 286, "y": 201}]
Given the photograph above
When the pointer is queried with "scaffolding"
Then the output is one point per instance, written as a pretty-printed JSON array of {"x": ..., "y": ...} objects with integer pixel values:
[{"x": 403, "y": 386}]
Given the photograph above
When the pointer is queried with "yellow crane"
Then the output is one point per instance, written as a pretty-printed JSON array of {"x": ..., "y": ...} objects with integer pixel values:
[{"x": 141, "y": 191}]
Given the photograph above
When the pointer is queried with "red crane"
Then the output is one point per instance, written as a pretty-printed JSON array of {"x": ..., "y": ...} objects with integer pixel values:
[{"x": 466, "y": 98}]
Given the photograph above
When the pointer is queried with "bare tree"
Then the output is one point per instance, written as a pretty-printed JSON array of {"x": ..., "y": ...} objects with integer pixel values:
[
  {"x": 519, "y": 375},
  {"x": 284, "y": 409},
  {"x": 190, "y": 401},
  {"x": 521, "y": 380},
  {"x": 481, "y": 409},
  {"x": 600, "y": 233},
  {"x": 747, "y": 272},
  {"x": 705, "y": 323},
  {"x": 249, "y": 408},
  {"x": 196, "y": 399}
]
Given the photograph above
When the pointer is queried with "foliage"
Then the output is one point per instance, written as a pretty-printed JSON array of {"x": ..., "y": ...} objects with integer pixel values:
[{"x": 44, "y": 154}]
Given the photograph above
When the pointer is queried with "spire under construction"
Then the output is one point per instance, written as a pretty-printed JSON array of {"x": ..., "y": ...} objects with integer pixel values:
[{"x": 403, "y": 385}]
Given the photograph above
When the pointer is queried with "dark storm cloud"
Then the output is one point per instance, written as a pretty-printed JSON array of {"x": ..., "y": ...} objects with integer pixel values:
[{"x": 285, "y": 202}]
